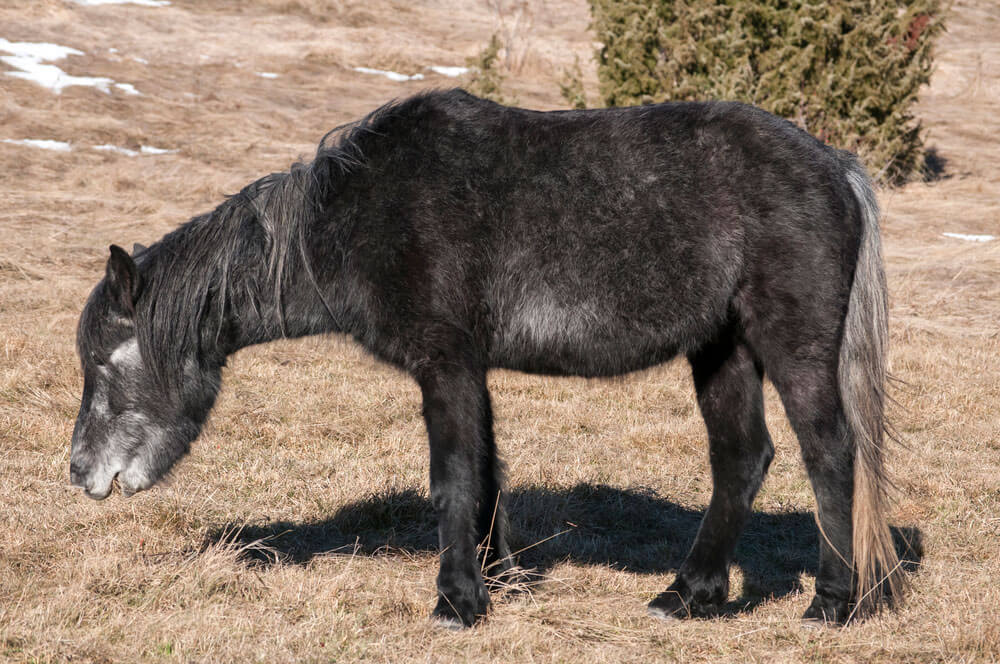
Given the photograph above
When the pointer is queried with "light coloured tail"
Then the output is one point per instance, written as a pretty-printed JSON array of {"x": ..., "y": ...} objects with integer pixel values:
[{"x": 862, "y": 375}]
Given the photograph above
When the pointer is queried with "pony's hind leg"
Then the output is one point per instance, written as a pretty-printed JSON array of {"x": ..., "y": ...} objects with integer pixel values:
[
  {"x": 728, "y": 383},
  {"x": 809, "y": 392}
]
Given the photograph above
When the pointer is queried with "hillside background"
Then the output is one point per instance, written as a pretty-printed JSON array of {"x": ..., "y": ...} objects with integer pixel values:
[{"x": 298, "y": 529}]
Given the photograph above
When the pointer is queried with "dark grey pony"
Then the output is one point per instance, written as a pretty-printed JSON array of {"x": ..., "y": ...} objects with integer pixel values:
[{"x": 450, "y": 235}]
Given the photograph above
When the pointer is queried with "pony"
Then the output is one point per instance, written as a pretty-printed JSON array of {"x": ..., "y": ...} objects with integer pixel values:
[{"x": 449, "y": 235}]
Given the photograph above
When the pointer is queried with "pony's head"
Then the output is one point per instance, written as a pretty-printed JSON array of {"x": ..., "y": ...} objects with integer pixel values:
[{"x": 137, "y": 416}]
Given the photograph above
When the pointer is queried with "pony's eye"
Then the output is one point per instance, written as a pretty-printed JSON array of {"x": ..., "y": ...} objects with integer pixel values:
[{"x": 96, "y": 359}]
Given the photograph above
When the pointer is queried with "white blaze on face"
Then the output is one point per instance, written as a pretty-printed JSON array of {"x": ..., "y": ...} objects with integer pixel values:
[{"x": 126, "y": 355}]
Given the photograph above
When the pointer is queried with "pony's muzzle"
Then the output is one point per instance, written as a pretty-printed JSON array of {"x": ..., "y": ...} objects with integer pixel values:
[{"x": 78, "y": 477}]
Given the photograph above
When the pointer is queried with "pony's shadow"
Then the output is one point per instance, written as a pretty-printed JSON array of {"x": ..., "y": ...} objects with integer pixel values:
[{"x": 632, "y": 530}]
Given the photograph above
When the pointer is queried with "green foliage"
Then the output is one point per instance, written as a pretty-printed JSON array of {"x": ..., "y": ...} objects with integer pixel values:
[
  {"x": 571, "y": 87},
  {"x": 486, "y": 78},
  {"x": 847, "y": 71}
]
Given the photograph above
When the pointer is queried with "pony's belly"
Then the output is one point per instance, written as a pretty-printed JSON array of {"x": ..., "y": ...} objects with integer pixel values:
[
  {"x": 581, "y": 340},
  {"x": 601, "y": 363}
]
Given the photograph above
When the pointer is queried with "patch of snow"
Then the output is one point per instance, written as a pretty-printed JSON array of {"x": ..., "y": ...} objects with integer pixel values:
[
  {"x": 144, "y": 3},
  {"x": 969, "y": 238},
  {"x": 266, "y": 74},
  {"x": 395, "y": 76},
  {"x": 50, "y": 76},
  {"x": 40, "y": 51},
  {"x": 144, "y": 149},
  {"x": 114, "y": 148},
  {"x": 58, "y": 146},
  {"x": 29, "y": 59},
  {"x": 128, "y": 89},
  {"x": 112, "y": 50},
  {"x": 141, "y": 61},
  {"x": 451, "y": 72}
]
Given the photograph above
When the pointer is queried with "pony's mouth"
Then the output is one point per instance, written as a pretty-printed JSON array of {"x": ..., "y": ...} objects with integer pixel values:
[
  {"x": 127, "y": 491},
  {"x": 102, "y": 493},
  {"x": 128, "y": 482}
]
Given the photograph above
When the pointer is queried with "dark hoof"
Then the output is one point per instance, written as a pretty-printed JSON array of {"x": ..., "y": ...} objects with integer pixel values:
[
  {"x": 826, "y": 612},
  {"x": 461, "y": 609},
  {"x": 685, "y": 599},
  {"x": 669, "y": 605}
]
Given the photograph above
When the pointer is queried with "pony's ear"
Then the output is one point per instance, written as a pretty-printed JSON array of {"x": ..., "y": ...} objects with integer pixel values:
[
  {"x": 124, "y": 283},
  {"x": 136, "y": 248}
]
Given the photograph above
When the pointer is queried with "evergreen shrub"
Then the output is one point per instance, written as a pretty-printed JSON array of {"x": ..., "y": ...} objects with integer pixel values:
[{"x": 847, "y": 71}]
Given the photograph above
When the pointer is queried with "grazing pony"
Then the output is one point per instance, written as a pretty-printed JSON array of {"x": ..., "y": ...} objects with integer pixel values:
[{"x": 450, "y": 235}]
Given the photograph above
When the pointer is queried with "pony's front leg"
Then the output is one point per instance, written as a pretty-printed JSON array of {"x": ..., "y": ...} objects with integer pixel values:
[{"x": 456, "y": 411}]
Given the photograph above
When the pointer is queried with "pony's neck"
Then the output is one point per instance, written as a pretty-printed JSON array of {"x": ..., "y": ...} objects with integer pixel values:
[
  {"x": 258, "y": 306},
  {"x": 235, "y": 277}
]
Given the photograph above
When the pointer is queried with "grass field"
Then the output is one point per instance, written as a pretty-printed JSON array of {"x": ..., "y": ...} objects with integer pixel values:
[{"x": 299, "y": 527}]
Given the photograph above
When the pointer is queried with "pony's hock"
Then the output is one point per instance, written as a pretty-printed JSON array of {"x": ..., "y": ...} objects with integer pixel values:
[{"x": 450, "y": 235}]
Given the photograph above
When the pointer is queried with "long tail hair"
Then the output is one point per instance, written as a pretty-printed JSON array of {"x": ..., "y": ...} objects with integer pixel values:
[{"x": 862, "y": 376}]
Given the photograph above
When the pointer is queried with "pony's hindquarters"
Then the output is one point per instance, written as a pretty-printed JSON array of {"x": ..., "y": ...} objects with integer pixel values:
[{"x": 818, "y": 324}]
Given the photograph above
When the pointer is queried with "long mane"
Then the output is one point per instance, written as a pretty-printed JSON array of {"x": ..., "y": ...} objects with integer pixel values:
[{"x": 236, "y": 260}]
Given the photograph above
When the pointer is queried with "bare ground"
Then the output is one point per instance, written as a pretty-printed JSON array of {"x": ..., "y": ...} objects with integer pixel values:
[{"x": 299, "y": 529}]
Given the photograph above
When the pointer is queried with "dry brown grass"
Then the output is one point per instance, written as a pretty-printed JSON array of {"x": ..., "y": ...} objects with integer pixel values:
[{"x": 298, "y": 529}]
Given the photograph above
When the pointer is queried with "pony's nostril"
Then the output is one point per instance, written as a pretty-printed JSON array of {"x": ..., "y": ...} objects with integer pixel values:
[{"x": 75, "y": 474}]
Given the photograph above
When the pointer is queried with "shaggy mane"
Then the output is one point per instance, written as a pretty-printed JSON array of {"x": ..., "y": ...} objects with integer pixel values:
[{"x": 244, "y": 250}]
